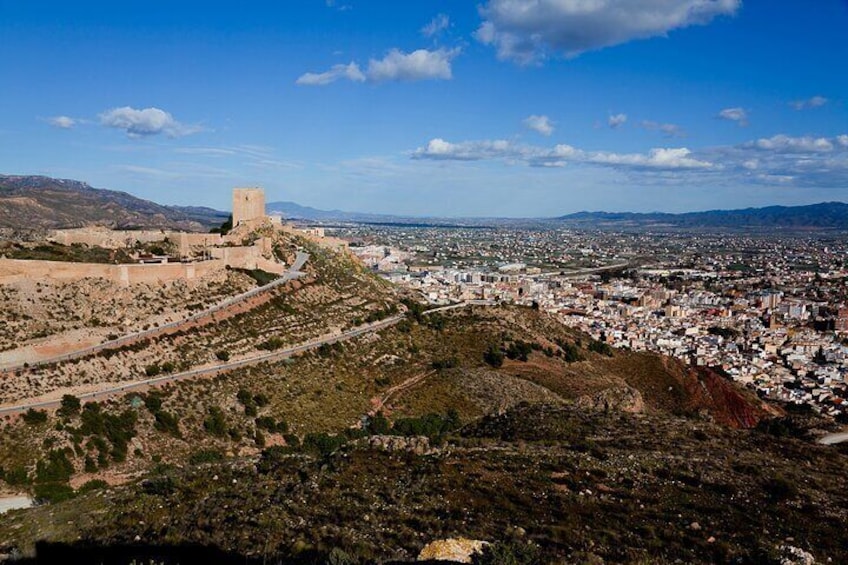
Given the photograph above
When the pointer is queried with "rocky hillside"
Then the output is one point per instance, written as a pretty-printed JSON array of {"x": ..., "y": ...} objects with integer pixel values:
[
  {"x": 31, "y": 202},
  {"x": 496, "y": 424}
]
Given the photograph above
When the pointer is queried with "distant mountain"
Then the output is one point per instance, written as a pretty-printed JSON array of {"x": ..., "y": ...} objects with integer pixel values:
[
  {"x": 44, "y": 202},
  {"x": 823, "y": 215}
]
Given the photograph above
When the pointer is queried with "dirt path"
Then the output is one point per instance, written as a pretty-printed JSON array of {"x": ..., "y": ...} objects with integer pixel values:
[{"x": 380, "y": 402}]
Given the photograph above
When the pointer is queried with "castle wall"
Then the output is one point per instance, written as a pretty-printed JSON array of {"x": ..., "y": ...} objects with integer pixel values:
[{"x": 12, "y": 270}]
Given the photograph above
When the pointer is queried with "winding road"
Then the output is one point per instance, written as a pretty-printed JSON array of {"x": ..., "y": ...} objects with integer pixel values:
[
  {"x": 214, "y": 369},
  {"x": 290, "y": 274}
]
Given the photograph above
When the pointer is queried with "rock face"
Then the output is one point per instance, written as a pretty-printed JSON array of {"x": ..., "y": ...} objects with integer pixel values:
[
  {"x": 419, "y": 445},
  {"x": 622, "y": 399},
  {"x": 458, "y": 550}
]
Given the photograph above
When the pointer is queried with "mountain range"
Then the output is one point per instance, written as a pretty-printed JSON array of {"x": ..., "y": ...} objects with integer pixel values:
[
  {"x": 44, "y": 202},
  {"x": 28, "y": 202}
]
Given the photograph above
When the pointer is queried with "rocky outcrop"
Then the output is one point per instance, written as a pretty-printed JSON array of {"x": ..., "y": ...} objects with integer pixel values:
[
  {"x": 622, "y": 399},
  {"x": 457, "y": 550},
  {"x": 419, "y": 445}
]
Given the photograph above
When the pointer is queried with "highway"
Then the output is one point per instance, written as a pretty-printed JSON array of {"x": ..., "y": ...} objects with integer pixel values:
[
  {"x": 291, "y": 273},
  {"x": 214, "y": 369}
]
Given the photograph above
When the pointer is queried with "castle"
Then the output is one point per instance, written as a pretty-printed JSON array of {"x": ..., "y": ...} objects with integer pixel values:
[{"x": 199, "y": 253}]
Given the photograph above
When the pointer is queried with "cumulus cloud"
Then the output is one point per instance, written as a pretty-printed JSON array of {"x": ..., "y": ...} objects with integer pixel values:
[
  {"x": 539, "y": 124},
  {"x": 558, "y": 156},
  {"x": 668, "y": 130},
  {"x": 615, "y": 121},
  {"x": 435, "y": 26},
  {"x": 421, "y": 64},
  {"x": 781, "y": 159},
  {"x": 788, "y": 144},
  {"x": 526, "y": 30},
  {"x": 814, "y": 102},
  {"x": 418, "y": 65},
  {"x": 62, "y": 122},
  {"x": 738, "y": 115},
  {"x": 146, "y": 122},
  {"x": 350, "y": 72}
]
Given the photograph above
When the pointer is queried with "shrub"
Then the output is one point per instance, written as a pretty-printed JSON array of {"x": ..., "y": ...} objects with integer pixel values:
[
  {"x": 322, "y": 443},
  {"x": 94, "y": 484},
  {"x": 494, "y": 356},
  {"x": 70, "y": 406},
  {"x": 378, "y": 424},
  {"x": 52, "y": 492},
  {"x": 168, "y": 423},
  {"x": 447, "y": 363},
  {"x": 508, "y": 553},
  {"x": 601, "y": 348},
  {"x": 215, "y": 423},
  {"x": 152, "y": 370},
  {"x": 34, "y": 417},
  {"x": 206, "y": 456},
  {"x": 17, "y": 476},
  {"x": 222, "y": 355}
]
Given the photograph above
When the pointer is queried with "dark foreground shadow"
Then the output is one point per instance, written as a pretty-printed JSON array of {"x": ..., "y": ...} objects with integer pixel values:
[{"x": 140, "y": 554}]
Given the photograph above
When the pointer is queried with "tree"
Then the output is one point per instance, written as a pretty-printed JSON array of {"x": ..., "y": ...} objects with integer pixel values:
[
  {"x": 494, "y": 356},
  {"x": 70, "y": 406}
]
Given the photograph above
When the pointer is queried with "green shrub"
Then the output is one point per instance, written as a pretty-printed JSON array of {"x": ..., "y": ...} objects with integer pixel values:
[
  {"x": 152, "y": 370},
  {"x": 494, "y": 356},
  {"x": 206, "y": 456},
  {"x": 222, "y": 355},
  {"x": 215, "y": 422},
  {"x": 70, "y": 406},
  {"x": 94, "y": 484},
  {"x": 322, "y": 444},
  {"x": 168, "y": 423},
  {"x": 52, "y": 492},
  {"x": 34, "y": 417}
]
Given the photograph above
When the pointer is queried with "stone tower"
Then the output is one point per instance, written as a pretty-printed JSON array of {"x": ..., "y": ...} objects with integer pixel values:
[{"x": 248, "y": 205}]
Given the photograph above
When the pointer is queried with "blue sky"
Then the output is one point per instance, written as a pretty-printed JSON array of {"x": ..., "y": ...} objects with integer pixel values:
[{"x": 437, "y": 107}]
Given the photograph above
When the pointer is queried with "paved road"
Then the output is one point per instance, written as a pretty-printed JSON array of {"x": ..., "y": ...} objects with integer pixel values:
[
  {"x": 292, "y": 273},
  {"x": 214, "y": 369}
]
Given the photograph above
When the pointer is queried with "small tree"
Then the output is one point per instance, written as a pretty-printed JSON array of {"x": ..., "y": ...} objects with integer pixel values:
[{"x": 70, "y": 406}]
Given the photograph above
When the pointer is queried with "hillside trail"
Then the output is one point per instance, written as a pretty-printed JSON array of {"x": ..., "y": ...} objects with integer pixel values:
[{"x": 378, "y": 403}]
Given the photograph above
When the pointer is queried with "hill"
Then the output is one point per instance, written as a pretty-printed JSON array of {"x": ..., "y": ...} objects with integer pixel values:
[
  {"x": 824, "y": 215},
  {"x": 374, "y": 447},
  {"x": 31, "y": 202}
]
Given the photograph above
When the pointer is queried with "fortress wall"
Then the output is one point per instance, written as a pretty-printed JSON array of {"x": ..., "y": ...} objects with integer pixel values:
[
  {"x": 165, "y": 272},
  {"x": 12, "y": 270},
  {"x": 248, "y": 205}
]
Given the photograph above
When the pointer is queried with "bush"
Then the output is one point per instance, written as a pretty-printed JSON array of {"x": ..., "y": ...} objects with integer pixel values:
[
  {"x": 17, "y": 476},
  {"x": 34, "y": 417},
  {"x": 430, "y": 425},
  {"x": 206, "y": 456},
  {"x": 222, "y": 355},
  {"x": 70, "y": 406},
  {"x": 508, "y": 553},
  {"x": 322, "y": 444},
  {"x": 571, "y": 353},
  {"x": 215, "y": 423},
  {"x": 273, "y": 426},
  {"x": 494, "y": 356},
  {"x": 168, "y": 423},
  {"x": 152, "y": 370},
  {"x": 94, "y": 484},
  {"x": 447, "y": 363},
  {"x": 52, "y": 492},
  {"x": 56, "y": 468},
  {"x": 601, "y": 348},
  {"x": 378, "y": 424},
  {"x": 519, "y": 350}
]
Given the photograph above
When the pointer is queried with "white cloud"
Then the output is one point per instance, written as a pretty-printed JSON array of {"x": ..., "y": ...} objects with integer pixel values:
[
  {"x": 539, "y": 124},
  {"x": 63, "y": 122},
  {"x": 668, "y": 130},
  {"x": 422, "y": 64},
  {"x": 738, "y": 115},
  {"x": 814, "y": 102},
  {"x": 615, "y": 121},
  {"x": 559, "y": 155},
  {"x": 350, "y": 72},
  {"x": 787, "y": 144},
  {"x": 149, "y": 121},
  {"x": 437, "y": 25},
  {"x": 806, "y": 161},
  {"x": 526, "y": 30}
]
